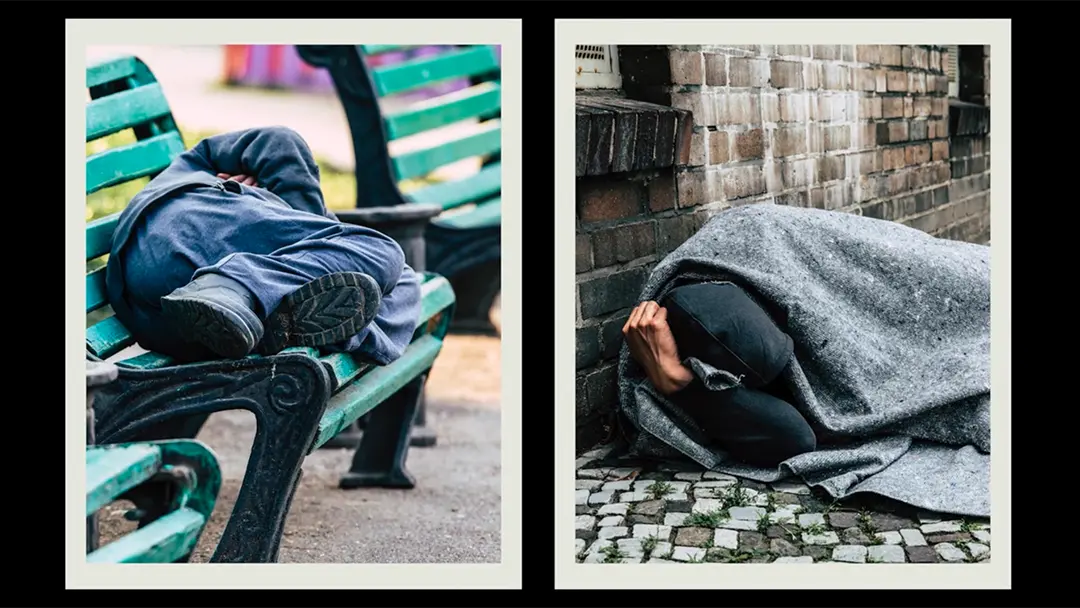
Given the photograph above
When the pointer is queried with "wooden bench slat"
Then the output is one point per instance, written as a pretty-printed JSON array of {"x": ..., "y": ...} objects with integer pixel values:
[
  {"x": 119, "y": 165},
  {"x": 421, "y": 162},
  {"x": 480, "y": 100},
  {"x": 125, "y": 109},
  {"x": 108, "y": 70},
  {"x": 436, "y": 294},
  {"x": 476, "y": 187},
  {"x": 96, "y": 297},
  {"x": 148, "y": 360},
  {"x": 375, "y": 49},
  {"x": 165, "y": 540},
  {"x": 112, "y": 470},
  {"x": 425, "y": 71},
  {"x": 344, "y": 367},
  {"x": 108, "y": 337},
  {"x": 376, "y": 386},
  {"x": 99, "y": 235},
  {"x": 486, "y": 214},
  {"x": 303, "y": 350}
]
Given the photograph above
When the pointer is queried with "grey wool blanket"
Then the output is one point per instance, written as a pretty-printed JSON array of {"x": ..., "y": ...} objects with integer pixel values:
[{"x": 892, "y": 352}]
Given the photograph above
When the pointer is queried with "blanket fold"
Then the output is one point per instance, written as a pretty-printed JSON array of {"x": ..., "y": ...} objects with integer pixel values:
[{"x": 891, "y": 364}]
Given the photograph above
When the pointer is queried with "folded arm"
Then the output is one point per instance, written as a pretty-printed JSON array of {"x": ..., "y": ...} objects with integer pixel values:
[{"x": 276, "y": 158}]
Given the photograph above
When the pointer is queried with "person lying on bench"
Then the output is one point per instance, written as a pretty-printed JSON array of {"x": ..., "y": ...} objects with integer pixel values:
[
  {"x": 231, "y": 250},
  {"x": 720, "y": 325}
]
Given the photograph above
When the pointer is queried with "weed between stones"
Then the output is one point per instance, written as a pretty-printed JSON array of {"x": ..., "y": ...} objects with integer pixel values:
[
  {"x": 612, "y": 554},
  {"x": 733, "y": 496},
  {"x": 648, "y": 545},
  {"x": 866, "y": 525},
  {"x": 659, "y": 489},
  {"x": 763, "y": 522},
  {"x": 712, "y": 519}
]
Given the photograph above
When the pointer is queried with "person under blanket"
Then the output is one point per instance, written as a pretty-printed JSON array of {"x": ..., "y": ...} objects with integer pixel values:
[
  {"x": 231, "y": 250},
  {"x": 719, "y": 324}
]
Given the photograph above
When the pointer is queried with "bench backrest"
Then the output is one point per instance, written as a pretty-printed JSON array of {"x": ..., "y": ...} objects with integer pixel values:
[
  {"x": 480, "y": 101},
  {"x": 124, "y": 97}
]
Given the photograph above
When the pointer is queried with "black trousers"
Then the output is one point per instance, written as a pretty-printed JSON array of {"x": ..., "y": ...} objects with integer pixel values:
[{"x": 755, "y": 422}]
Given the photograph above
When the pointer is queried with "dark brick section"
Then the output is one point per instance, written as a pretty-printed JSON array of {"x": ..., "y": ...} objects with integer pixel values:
[
  {"x": 620, "y": 135},
  {"x": 611, "y": 337},
  {"x": 626, "y": 152},
  {"x": 588, "y": 346},
  {"x": 617, "y": 246},
  {"x": 601, "y": 386},
  {"x": 610, "y": 293},
  {"x": 601, "y": 128},
  {"x": 583, "y": 253},
  {"x": 968, "y": 118},
  {"x": 582, "y": 140},
  {"x": 623, "y": 243},
  {"x": 607, "y": 199}
]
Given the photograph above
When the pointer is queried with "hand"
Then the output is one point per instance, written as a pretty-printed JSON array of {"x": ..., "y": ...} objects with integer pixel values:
[
  {"x": 653, "y": 346},
  {"x": 247, "y": 180}
]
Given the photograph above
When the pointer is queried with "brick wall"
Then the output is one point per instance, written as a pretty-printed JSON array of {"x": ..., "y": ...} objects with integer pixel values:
[
  {"x": 627, "y": 218},
  {"x": 861, "y": 129}
]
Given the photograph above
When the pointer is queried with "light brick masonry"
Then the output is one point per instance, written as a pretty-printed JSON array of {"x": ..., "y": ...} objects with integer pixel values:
[{"x": 865, "y": 129}]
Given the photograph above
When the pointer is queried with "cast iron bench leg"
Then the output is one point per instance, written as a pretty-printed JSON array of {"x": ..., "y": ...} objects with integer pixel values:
[
  {"x": 286, "y": 393},
  {"x": 380, "y": 459}
]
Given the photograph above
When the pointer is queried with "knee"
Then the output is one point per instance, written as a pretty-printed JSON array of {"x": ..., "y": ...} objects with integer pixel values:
[
  {"x": 775, "y": 450},
  {"x": 801, "y": 440}
]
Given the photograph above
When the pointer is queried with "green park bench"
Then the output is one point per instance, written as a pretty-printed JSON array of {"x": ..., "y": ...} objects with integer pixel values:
[
  {"x": 452, "y": 228},
  {"x": 173, "y": 486},
  {"x": 463, "y": 240},
  {"x": 301, "y": 397}
]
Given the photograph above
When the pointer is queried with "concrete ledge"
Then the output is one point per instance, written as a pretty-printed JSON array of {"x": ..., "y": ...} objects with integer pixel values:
[{"x": 616, "y": 135}]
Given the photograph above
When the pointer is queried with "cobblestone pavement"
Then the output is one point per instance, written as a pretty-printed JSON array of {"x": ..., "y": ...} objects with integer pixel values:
[{"x": 632, "y": 512}]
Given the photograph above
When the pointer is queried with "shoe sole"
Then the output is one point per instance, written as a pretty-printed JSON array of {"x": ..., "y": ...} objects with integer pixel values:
[
  {"x": 328, "y": 310},
  {"x": 226, "y": 332}
]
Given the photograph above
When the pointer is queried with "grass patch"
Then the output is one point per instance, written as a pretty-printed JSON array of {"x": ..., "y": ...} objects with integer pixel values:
[
  {"x": 649, "y": 545},
  {"x": 795, "y": 535},
  {"x": 733, "y": 496},
  {"x": 659, "y": 489},
  {"x": 815, "y": 529},
  {"x": 612, "y": 554},
  {"x": 712, "y": 519},
  {"x": 770, "y": 502},
  {"x": 763, "y": 523}
]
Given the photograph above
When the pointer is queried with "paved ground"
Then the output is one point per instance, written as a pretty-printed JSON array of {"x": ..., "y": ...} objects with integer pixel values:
[
  {"x": 453, "y": 515},
  {"x": 632, "y": 512}
]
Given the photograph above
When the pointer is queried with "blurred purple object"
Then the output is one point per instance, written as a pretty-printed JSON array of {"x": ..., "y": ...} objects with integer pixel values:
[{"x": 280, "y": 66}]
